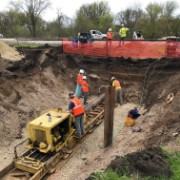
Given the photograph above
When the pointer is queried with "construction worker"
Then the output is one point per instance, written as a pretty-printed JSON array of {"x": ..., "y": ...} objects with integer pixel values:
[
  {"x": 133, "y": 114},
  {"x": 122, "y": 33},
  {"x": 85, "y": 89},
  {"x": 139, "y": 35},
  {"x": 78, "y": 91},
  {"x": 109, "y": 35},
  {"x": 77, "y": 110},
  {"x": 118, "y": 91}
]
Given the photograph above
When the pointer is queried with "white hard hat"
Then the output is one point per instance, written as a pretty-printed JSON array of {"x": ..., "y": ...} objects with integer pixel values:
[
  {"x": 122, "y": 24},
  {"x": 110, "y": 29},
  {"x": 84, "y": 77},
  {"x": 113, "y": 78},
  {"x": 81, "y": 71}
]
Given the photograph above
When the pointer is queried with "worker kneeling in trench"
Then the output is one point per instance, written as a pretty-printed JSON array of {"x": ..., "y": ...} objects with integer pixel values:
[{"x": 133, "y": 114}]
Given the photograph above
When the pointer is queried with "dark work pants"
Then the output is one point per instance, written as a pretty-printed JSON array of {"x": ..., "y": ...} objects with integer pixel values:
[{"x": 79, "y": 123}]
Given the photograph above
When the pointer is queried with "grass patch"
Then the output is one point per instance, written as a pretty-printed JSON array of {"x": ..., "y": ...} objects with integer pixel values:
[
  {"x": 169, "y": 159},
  {"x": 109, "y": 175},
  {"x": 173, "y": 158},
  {"x": 27, "y": 45}
]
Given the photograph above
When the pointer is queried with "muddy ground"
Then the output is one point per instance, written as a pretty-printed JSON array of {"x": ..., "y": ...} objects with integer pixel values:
[{"x": 43, "y": 78}]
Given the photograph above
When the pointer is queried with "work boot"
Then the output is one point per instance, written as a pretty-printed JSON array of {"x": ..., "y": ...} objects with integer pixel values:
[
  {"x": 77, "y": 136},
  {"x": 85, "y": 103},
  {"x": 83, "y": 133}
]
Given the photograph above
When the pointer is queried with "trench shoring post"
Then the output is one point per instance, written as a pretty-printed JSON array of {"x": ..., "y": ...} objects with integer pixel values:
[{"x": 109, "y": 116}]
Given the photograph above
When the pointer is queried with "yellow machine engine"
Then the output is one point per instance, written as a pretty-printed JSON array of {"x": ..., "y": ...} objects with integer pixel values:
[{"x": 51, "y": 131}]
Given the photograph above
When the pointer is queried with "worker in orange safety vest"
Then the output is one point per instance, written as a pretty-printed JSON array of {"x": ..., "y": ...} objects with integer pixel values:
[
  {"x": 85, "y": 89},
  {"x": 118, "y": 91},
  {"x": 78, "y": 91},
  {"x": 77, "y": 110},
  {"x": 109, "y": 36}
]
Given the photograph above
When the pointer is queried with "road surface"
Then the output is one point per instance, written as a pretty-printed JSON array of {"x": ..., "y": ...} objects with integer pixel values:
[{"x": 24, "y": 41}]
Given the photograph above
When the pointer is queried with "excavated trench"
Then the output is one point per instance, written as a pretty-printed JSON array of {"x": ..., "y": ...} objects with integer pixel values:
[{"x": 42, "y": 80}]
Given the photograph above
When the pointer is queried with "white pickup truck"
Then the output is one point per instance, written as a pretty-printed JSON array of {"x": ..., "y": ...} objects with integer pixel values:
[{"x": 97, "y": 35}]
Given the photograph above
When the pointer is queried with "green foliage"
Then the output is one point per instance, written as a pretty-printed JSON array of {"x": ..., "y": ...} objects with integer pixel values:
[
  {"x": 173, "y": 159},
  {"x": 109, "y": 175},
  {"x": 105, "y": 22},
  {"x": 27, "y": 45},
  {"x": 32, "y": 10},
  {"x": 93, "y": 16},
  {"x": 24, "y": 20}
]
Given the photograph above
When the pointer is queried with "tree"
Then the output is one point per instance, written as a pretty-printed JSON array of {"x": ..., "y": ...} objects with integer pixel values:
[
  {"x": 33, "y": 9},
  {"x": 131, "y": 17},
  {"x": 62, "y": 26},
  {"x": 169, "y": 8},
  {"x": 106, "y": 22},
  {"x": 60, "y": 18},
  {"x": 89, "y": 16},
  {"x": 167, "y": 20},
  {"x": 4, "y": 23},
  {"x": 154, "y": 13}
]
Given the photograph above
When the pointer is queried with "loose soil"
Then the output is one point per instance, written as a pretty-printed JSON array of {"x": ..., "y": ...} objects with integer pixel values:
[
  {"x": 149, "y": 162},
  {"x": 146, "y": 163},
  {"x": 42, "y": 79},
  {"x": 9, "y": 53}
]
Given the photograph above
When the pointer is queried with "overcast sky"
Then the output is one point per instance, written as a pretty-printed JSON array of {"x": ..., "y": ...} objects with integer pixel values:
[{"x": 69, "y": 7}]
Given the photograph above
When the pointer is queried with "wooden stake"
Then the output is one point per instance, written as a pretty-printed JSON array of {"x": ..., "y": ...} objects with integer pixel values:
[{"x": 109, "y": 115}]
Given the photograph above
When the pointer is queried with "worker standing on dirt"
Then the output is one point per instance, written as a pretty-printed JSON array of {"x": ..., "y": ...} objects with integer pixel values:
[
  {"x": 85, "y": 89},
  {"x": 109, "y": 36},
  {"x": 118, "y": 91},
  {"x": 78, "y": 91},
  {"x": 122, "y": 32},
  {"x": 77, "y": 110}
]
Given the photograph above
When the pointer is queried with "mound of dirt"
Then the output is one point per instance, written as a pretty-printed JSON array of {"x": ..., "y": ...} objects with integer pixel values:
[
  {"x": 149, "y": 162},
  {"x": 9, "y": 53}
]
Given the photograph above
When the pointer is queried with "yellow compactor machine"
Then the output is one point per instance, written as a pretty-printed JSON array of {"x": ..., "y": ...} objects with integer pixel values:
[{"x": 49, "y": 136}]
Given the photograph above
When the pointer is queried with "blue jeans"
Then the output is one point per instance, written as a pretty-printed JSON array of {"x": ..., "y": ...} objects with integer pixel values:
[
  {"x": 79, "y": 123},
  {"x": 121, "y": 40}
]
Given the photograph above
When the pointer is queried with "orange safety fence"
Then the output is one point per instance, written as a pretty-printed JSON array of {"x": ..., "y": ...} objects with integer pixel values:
[
  {"x": 127, "y": 49},
  {"x": 173, "y": 48}
]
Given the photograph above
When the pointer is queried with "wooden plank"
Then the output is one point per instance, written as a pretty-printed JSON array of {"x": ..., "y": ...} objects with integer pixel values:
[
  {"x": 108, "y": 117},
  {"x": 94, "y": 113}
]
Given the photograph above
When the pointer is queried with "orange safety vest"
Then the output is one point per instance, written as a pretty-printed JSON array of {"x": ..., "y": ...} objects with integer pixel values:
[
  {"x": 109, "y": 35},
  {"x": 85, "y": 86},
  {"x": 116, "y": 84},
  {"x": 79, "y": 79},
  {"x": 78, "y": 108}
]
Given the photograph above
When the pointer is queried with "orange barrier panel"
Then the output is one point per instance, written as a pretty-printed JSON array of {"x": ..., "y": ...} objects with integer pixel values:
[
  {"x": 173, "y": 48},
  {"x": 127, "y": 49}
]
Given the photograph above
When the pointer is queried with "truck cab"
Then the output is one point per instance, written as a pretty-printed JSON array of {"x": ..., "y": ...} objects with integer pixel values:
[{"x": 98, "y": 35}]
